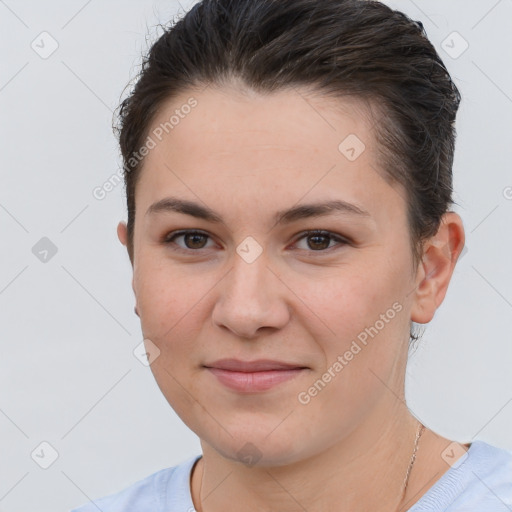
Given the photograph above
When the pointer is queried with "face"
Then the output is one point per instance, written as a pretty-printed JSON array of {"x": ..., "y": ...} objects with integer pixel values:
[{"x": 256, "y": 283}]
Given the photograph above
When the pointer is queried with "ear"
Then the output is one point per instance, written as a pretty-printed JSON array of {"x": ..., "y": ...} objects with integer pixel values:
[
  {"x": 122, "y": 232},
  {"x": 440, "y": 254}
]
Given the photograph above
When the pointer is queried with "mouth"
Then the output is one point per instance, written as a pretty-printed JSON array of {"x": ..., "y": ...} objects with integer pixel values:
[{"x": 253, "y": 376}]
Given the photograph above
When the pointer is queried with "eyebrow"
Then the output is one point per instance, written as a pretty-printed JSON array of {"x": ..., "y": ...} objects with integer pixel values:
[{"x": 304, "y": 211}]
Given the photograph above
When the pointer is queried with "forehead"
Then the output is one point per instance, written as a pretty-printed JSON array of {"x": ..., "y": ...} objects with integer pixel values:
[
  {"x": 296, "y": 118},
  {"x": 289, "y": 143}
]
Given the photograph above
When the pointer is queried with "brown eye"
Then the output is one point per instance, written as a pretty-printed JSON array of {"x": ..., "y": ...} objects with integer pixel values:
[
  {"x": 320, "y": 241},
  {"x": 193, "y": 240}
]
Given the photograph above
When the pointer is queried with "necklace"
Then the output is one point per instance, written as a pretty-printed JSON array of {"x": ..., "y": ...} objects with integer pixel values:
[{"x": 420, "y": 430}]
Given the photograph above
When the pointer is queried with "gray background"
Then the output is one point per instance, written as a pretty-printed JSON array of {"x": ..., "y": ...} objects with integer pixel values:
[{"x": 68, "y": 373}]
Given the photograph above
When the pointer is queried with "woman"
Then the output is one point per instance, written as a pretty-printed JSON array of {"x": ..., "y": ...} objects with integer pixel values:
[{"x": 288, "y": 168}]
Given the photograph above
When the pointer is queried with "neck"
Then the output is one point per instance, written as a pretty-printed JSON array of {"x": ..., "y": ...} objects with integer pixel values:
[{"x": 363, "y": 471}]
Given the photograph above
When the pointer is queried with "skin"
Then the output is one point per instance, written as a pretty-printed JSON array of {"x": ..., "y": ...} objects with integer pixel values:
[{"x": 245, "y": 156}]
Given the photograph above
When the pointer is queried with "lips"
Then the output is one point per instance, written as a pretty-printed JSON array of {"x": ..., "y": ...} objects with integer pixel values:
[
  {"x": 259, "y": 365},
  {"x": 253, "y": 376}
]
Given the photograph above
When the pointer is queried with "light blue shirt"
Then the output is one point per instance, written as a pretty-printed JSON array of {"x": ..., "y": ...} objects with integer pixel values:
[{"x": 480, "y": 481}]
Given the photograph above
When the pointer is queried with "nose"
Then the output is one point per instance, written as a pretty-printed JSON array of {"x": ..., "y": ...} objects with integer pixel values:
[{"x": 252, "y": 299}]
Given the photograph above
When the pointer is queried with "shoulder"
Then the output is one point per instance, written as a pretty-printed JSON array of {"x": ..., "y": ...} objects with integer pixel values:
[
  {"x": 155, "y": 492},
  {"x": 480, "y": 480},
  {"x": 491, "y": 474}
]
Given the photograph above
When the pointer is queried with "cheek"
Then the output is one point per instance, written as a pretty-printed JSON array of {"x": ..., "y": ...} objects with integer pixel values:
[
  {"x": 358, "y": 308},
  {"x": 164, "y": 293},
  {"x": 174, "y": 305},
  {"x": 343, "y": 301},
  {"x": 170, "y": 309}
]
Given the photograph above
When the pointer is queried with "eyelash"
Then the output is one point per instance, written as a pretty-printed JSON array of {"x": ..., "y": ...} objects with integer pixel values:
[{"x": 169, "y": 239}]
